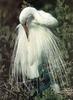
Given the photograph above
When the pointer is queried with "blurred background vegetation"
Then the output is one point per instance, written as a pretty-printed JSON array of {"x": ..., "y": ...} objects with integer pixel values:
[{"x": 9, "y": 12}]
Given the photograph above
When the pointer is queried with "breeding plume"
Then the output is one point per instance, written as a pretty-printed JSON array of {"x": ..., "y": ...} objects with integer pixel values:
[{"x": 36, "y": 45}]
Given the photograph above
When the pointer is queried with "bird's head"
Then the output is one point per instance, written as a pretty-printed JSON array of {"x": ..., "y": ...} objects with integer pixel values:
[{"x": 25, "y": 18}]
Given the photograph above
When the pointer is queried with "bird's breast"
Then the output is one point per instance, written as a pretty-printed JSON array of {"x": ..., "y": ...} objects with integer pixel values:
[
  {"x": 32, "y": 61},
  {"x": 32, "y": 54}
]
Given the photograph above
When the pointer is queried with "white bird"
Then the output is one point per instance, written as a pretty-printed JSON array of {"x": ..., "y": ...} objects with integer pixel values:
[{"x": 34, "y": 43}]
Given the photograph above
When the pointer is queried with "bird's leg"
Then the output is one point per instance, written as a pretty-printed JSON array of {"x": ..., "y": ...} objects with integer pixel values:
[{"x": 38, "y": 86}]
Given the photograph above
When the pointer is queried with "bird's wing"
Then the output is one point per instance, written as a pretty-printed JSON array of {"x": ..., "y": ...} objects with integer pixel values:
[
  {"x": 55, "y": 58},
  {"x": 19, "y": 58},
  {"x": 45, "y": 18}
]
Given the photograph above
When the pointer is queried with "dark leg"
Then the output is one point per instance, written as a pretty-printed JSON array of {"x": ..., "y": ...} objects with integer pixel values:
[{"x": 38, "y": 86}]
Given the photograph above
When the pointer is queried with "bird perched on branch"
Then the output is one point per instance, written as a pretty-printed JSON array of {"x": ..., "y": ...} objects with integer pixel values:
[{"x": 37, "y": 45}]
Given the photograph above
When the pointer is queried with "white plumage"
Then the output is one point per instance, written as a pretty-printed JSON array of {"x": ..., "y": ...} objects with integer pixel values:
[{"x": 41, "y": 43}]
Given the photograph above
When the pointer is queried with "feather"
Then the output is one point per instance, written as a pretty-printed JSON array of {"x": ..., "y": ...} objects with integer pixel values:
[
  {"x": 40, "y": 17},
  {"x": 41, "y": 43}
]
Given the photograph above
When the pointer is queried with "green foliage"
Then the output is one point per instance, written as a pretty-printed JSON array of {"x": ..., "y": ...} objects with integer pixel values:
[
  {"x": 50, "y": 95},
  {"x": 64, "y": 14},
  {"x": 65, "y": 30}
]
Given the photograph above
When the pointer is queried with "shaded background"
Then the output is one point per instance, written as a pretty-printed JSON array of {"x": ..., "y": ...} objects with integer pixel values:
[{"x": 9, "y": 12}]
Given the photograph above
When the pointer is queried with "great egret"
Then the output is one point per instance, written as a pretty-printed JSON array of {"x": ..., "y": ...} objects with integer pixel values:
[{"x": 35, "y": 45}]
